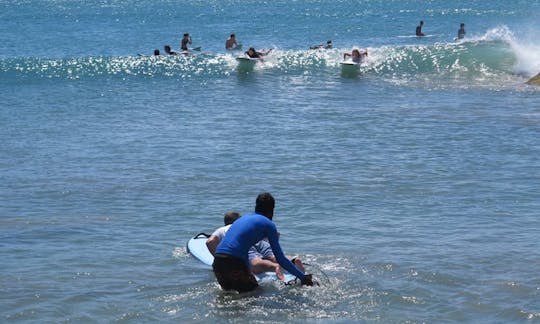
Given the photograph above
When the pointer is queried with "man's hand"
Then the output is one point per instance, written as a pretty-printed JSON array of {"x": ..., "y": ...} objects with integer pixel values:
[{"x": 308, "y": 280}]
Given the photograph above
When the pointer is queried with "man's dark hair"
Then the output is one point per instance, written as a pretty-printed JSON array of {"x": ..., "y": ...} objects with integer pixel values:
[
  {"x": 264, "y": 204},
  {"x": 230, "y": 217}
]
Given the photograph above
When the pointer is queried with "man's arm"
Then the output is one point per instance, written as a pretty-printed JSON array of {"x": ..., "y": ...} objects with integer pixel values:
[
  {"x": 280, "y": 257},
  {"x": 259, "y": 265},
  {"x": 212, "y": 243}
]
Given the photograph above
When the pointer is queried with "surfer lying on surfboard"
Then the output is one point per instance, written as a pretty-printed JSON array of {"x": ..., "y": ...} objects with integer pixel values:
[
  {"x": 169, "y": 51},
  {"x": 252, "y": 53},
  {"x": 261, "y": 257},
  {"x": 231, "y": 258},
  {"x": 328, "y": 45},
  {"x": 357, "y": 55}
]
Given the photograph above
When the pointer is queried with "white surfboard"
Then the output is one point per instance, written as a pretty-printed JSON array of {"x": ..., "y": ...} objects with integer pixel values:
[
  {"x": 350, "y": 63},
  {"x": 247, "y": 59},
  {"x": 196, "y": 246},
  {"x": 349, "y": 67}
]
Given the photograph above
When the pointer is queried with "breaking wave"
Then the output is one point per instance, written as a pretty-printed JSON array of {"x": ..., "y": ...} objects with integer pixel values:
[{"x": 496, "y": 55}]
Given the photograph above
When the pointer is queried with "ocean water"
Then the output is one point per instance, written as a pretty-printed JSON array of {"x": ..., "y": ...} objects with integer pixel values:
[{"x": 411, "y": 187}]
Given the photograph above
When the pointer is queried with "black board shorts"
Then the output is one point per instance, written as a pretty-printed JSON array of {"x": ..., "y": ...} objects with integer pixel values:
[{"x": 232, "y": 273}]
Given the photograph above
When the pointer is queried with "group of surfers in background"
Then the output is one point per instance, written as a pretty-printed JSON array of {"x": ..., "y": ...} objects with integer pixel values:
[{"x": 357, "y": 55}]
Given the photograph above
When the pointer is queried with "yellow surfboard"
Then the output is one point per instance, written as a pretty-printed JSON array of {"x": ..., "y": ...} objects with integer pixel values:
[{"x": 534, "y": 80}]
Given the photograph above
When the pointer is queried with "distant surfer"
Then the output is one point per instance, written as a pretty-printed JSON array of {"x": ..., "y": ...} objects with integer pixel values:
[
  {"x": 169, "y": 51},
  {"x": 357, "y": 55},
  {"x": 231, "y": 261},
  {"x": 156, "y": 52},
  {"x": 185, "y": 41},
  {"x": 461, "y": 31},
  {"x": 419, "y": 29},
  {"x": 252, "y": 53},
  {"x": 231, "y": 42},
  {"x": 328, "y": 45}
]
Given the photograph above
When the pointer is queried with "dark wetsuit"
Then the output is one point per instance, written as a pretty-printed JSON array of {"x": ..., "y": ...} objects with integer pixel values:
[
  {"x": 185, "y": 42},
  {"x": 419, "y": 31},
  {"x": 461, "y": 33}
]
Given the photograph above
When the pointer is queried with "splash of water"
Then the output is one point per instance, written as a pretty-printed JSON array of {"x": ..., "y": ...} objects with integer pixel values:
[{"x": 526, "y": 50}]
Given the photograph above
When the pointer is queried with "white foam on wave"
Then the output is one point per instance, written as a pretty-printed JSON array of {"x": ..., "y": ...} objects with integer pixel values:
[{"x": 526, "y": 48}]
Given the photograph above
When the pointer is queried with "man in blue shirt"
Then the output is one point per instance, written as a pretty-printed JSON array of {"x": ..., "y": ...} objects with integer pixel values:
[{"x": 231, "y": 264}]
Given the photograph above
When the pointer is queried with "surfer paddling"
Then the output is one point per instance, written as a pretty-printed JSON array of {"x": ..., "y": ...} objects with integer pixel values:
[
  {"x": 328, "y": 45},
  {"x": 169, "y": 51},
  {"x": 231, "y": 261},
  {"x": 252, "y": 53},
  {"x": 357, "y": 55}
]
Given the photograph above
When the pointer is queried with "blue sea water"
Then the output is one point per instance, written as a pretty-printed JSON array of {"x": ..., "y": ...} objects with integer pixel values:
[{"x": 412, "y": 187}]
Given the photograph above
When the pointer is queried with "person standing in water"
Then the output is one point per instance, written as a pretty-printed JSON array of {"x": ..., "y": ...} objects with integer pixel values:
[
  {"x": 419, "y": 29},
  {"x": 231, "y": 42},
  {"x": 261, "y": 257},
  {"x": 231, "y": 261},
  {"x": 461, "y": 31},
  {"x": 185, "y": 41}
]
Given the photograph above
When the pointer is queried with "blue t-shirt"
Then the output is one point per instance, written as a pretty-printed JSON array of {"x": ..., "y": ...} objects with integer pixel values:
[{"x": 248, "y": 230}]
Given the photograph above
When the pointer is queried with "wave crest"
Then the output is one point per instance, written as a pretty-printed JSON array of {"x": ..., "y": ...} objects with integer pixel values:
[{"x": 495, "y": 55}]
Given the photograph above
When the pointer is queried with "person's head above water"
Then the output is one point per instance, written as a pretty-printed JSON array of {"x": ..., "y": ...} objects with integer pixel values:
[
  {"x": 265, "y": 204},
  {"x": 230, "y": 217}
]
